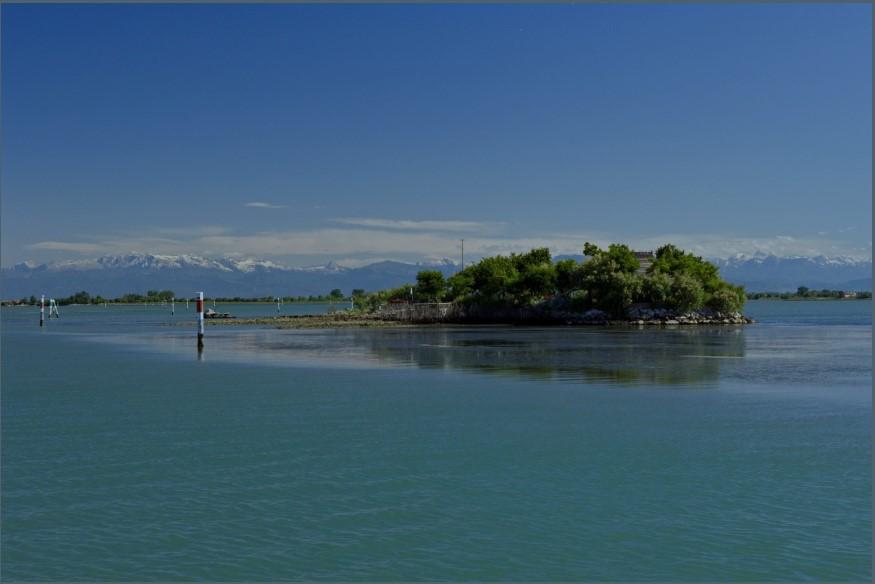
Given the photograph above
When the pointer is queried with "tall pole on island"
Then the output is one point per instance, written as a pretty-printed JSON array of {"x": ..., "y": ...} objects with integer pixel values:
[{"x": 463, "y": 253}]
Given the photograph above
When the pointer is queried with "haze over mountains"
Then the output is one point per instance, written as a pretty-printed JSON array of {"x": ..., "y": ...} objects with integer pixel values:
[{"x": 113, "y": 276}]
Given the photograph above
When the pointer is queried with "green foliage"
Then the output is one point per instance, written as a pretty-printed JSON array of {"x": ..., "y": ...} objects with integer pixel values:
[
  {"x": 336, "y": 294},
  {"x": 620, "y": 254},
  {"x": 810, "y": 294},
  {"x": 673, "y": 261},
  {"x": 656, "y": 288},
  {"x": 568, "y": 276},
  {"x": 400, "y": 293},
  {"x": 430, "y": 286},
  {"x": 591, "y": 250},
  {"x": 686, "y": 293},
  {"x": 535, "y": 281},
  {"x": 82, "y": 297},
  {"x": 460, "y": 285},
  {"x": 802, "y": 291},
  {"x": 727, "y": 298},
  {"x": 611, "y": 288},
  {"x": 493, "y": 279},
  {"x": 535, "y": 257},
  {"x": 607, "y": 280}
]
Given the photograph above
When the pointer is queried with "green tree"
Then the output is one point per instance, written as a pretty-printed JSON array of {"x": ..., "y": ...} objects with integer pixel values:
[
  {"x": 567, "y": 276},
  {"x": 686, "y": 293},
  {"x": 535, "y": 257},
  {"x": 460, "y": 285},
  {"x": 727, "y": 298},
  {"x": 336, "y": 294},
  {"x": 609, "y": 286},
  {"x": 656, "y": 288},
  {"x": 802, "y": 291},
  {"x": 535, "y": 281},
  {"x": 494, "y": 278},
  {"x": 620, "y": 254},
  {"x": 430, "y": 285},
  {"x": 673, "y": 261}
]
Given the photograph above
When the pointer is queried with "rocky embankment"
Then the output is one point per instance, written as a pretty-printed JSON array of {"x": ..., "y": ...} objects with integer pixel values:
[
  {"x": 662, "y": 316},
  {"x": 557, "y": 313},
  {"x": 420, "y": 315}
]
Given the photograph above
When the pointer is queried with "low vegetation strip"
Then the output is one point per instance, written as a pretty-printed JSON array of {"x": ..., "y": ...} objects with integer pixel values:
[{"x": 345, "y": 319}]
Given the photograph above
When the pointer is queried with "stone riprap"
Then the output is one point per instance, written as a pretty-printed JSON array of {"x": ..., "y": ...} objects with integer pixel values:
[{"x": 547, "y": 313}]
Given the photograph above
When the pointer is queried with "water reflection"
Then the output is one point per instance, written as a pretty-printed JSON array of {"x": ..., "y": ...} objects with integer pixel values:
[{"x": 681, "y": 356}]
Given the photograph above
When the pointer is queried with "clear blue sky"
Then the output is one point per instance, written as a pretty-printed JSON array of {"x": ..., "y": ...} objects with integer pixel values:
[{"x": 391, "y": 131}]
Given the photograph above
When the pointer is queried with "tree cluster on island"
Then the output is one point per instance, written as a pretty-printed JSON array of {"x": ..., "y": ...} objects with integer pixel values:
[{"x": 609, "y": 280}]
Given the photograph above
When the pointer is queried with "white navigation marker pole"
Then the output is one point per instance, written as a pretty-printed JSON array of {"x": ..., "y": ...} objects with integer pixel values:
[
  {"x": 42, "y": 309},
  {"x": 200, "y": 321},
  {"x": 172, "y": 306},
  {"x": 277, "y": 304}
]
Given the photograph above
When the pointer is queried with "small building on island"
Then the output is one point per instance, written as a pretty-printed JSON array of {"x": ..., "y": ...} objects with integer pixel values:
[{"x": 645, "y": 258}]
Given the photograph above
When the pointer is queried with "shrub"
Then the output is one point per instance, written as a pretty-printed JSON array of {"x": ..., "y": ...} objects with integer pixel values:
[
  {"x": 494, "y": 277},
  {"x": 567, "y": 276},
  {"x": 430, "y": 285},
  {"x": 535, "y": 281},
  {"x": 620, "y": 254},
  {"x": 656, "y": 288},
  {"x": 727, "y": 298},
  {"x": 460, "y": 285},
  {"x": 686, "y": 293}
]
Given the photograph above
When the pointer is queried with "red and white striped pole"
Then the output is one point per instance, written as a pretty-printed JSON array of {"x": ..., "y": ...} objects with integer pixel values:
[
  {"x": 42, "y": 309},
  {"x": 200, "y": 320}
]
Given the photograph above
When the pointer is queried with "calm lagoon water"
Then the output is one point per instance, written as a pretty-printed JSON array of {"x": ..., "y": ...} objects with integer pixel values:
[{"x": 492, "y": 453}]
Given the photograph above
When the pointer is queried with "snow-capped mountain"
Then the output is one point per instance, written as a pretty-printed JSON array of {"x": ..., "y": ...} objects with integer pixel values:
[
  {"x": 763, "y": 272},
  {"x": 116, "y": 275},
  {"x": 184, "y": 274}
]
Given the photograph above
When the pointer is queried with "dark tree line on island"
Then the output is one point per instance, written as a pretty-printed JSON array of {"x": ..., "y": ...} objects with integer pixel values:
[
  {"x": 607, "y": 280},
  {"x": 804, "y": 293}
]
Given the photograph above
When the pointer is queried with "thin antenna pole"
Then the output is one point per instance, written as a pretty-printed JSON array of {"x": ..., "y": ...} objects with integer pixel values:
[
  {"x": 42, "y": 309},
  {"x": 463, "y": 253}
]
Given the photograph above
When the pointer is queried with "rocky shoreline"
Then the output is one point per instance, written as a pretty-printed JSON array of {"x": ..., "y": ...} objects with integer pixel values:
[{"x": 637, "y": 317}]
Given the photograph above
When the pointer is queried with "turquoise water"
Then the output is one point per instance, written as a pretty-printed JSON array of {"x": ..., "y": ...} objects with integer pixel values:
[{"x": 491, "y": 453}]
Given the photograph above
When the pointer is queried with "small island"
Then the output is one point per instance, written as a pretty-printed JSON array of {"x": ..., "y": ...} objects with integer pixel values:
[{"x": 613, "y": 286}]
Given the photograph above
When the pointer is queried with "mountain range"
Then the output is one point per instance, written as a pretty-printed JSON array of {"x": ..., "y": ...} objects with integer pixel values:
[{"x": 113, "y": 276}]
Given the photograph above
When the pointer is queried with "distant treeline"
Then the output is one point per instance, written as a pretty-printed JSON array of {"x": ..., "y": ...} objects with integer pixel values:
[
  {"x": 162, "y": 296},
  {"x": 804, "y": 293}
]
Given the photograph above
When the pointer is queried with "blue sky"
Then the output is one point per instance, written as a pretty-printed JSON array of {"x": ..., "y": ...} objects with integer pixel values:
[{"x": 307, "y": 133}]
